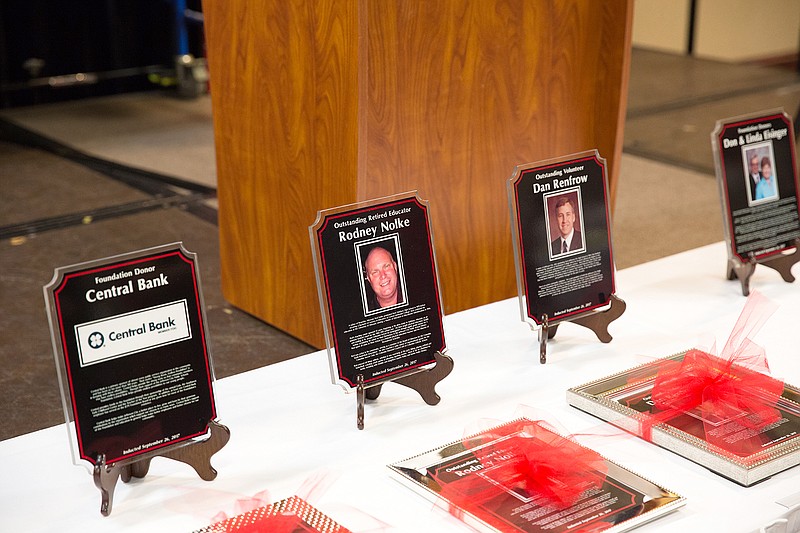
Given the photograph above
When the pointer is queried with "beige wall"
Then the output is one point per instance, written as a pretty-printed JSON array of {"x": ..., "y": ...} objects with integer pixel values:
[
  {"x": 725, "y": 30},
  {"x": 661, "y": 25},
  {"x": 745, "y": 30}
]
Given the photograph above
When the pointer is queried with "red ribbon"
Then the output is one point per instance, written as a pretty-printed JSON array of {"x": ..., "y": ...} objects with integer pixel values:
[
  {"x": 717, "y": 390},
  {"x": 529, "y": 457}
]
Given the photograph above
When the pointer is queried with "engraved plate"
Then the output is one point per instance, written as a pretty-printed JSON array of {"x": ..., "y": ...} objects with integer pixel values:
[
  {"x": 623, "y": 399},
  {"x": 623, "y": 500}
]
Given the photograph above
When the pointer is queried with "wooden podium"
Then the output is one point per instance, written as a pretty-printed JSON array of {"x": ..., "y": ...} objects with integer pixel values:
[{"x": 326, "y": 103}]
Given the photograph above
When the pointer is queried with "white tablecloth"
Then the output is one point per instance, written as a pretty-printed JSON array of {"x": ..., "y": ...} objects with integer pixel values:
[{"x": 289, "y": 424}]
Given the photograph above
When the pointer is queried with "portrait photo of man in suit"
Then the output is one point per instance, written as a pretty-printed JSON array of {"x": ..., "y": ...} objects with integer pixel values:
[
  {"x": 753, "y": 174},
  {"x": 570, "y": 238}
]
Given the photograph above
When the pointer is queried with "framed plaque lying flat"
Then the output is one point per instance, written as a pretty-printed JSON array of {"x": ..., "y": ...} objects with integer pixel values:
[
  {"x": 618, "y": 499},
  {"x": 725, "y": 446},
  {"x": 292, "y": 515}
]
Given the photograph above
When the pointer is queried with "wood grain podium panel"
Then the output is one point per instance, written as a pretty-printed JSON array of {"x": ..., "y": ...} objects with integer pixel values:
[
  {"x": 284, "y": 101},
  {"x": 319, "y": 104}
]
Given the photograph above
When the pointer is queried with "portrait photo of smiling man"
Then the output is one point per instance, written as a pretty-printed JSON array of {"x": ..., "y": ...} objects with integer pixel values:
[
  {"x": 383, "y": 280},
  {"x": 565, "y": 224}
]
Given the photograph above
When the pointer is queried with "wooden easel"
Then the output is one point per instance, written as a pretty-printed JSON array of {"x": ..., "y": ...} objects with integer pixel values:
[
  {"x": 424, "y": 382},
  {"x": 596, "y": 321},
  {"x": 781, "y": 263},
  {"x": 196, "y": 454}
]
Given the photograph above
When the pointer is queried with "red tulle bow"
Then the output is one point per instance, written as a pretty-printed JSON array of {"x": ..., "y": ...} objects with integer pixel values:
[
  {"x": 531, "y": 459},
  {"x": 717, "y": 390}
]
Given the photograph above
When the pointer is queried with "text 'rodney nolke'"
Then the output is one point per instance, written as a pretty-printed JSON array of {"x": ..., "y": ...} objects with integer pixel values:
[
  {"x": 94, "y": 295},
  {"x": 389, "y": 225}
]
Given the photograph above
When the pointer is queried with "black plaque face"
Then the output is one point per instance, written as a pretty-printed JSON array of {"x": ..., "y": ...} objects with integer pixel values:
[
  {"x": 130, "y": 344},
  {"x": 378, "y": 289},
  {"x": 755, "y": 160},
  {"x": 562, "y": 238}
]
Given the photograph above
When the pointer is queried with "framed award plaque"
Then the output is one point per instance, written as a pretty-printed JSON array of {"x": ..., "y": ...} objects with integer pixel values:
[
  {"x": 129, "y": 340},
  {"x": 562, "y": 240},
  {"x": 756, "y": 170},
  {"x": 378, "y": 288},
  {"x": 484, "y": 481},
  {"x": 292, "y": 515},
  {"x": 731, "y": 445},
  {"x": 561, "y": 229},
  {"x": 757, "y": 176}
]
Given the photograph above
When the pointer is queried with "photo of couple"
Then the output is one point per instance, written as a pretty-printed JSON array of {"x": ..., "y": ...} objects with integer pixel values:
[{"x": 761, "y": 179}]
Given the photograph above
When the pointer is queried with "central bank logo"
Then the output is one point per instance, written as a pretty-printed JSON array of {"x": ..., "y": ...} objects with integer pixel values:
[
  {"x": 132, "y": 332},
  {"x": 96, "y": 340}
]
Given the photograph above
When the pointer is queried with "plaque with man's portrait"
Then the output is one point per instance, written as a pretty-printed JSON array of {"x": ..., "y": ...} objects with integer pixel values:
[
  {"x": 562, "y": 241},
  {"x": 756, "y": 167},
  {"x": 378, "y": 287}
]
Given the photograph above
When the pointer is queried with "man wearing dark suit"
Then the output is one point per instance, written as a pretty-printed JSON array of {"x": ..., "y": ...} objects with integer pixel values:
[
  {"x": 755, "y": 175},
  {"x": 569, "y": 238}
]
